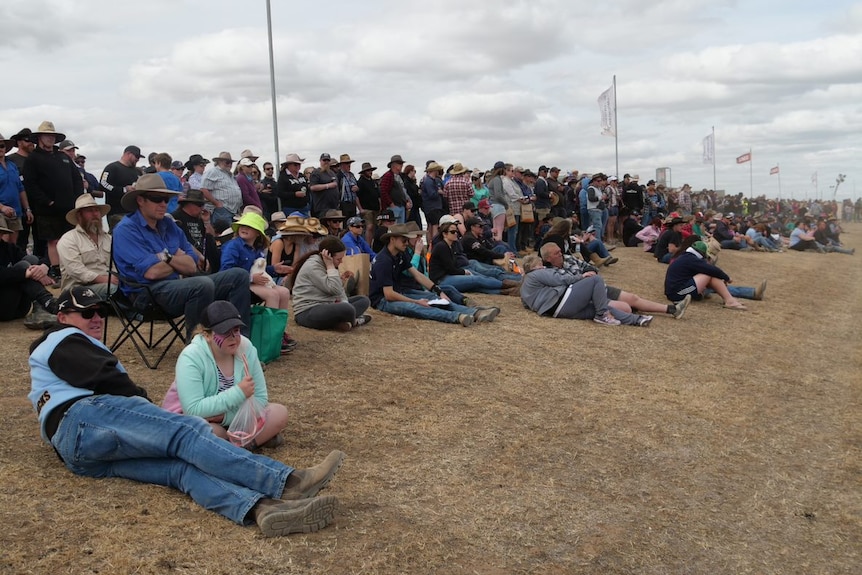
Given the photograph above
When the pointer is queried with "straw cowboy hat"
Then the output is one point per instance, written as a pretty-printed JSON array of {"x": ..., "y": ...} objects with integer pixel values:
[
  {"x": 85, "y": 201},
  {"x": 457, "y": 169},
  {"x": 47, "y": 128},
  {"x": 345, "y": 159},
  {"x": 300, "y": 225},
  {"x": 400, "y": 230},
  {"x": 145, "y": 184},
  {"x": 224, "y": 156},
  {"x": 434, "y": 167},
  {"x": 293, "y": 159},
  {"x": 255, "y": 222}
]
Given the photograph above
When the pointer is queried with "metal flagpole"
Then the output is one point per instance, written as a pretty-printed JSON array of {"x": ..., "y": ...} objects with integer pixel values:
[
  {"x": 714, "y": 185},
  {"x": 616, "y": 130},
  {"x": 272, "y": 90}
]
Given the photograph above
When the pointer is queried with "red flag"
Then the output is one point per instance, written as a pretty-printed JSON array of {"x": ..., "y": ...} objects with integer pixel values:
[
  {"x": 773, "y": 171},
  {"x": 744, "y": 158}
]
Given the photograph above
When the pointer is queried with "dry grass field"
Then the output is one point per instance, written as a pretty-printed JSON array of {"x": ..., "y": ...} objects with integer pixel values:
[{"x": 724, "y": 442}]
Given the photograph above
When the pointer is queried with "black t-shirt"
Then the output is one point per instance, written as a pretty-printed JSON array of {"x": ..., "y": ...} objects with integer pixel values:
[
  {"x": 386, "y": 272},
  {"x": 329, "y": 199},
  {"x": 287, "y": 186},
  {"x": 369, "y": 193},
  {"x": 194, "y": 228},
  {"x": 115, "y": 177},
  {"x": 667, "y": 237}
]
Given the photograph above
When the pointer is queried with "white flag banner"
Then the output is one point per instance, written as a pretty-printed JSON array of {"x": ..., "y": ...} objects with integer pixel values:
[
  {"x": 606, "y": 105},
  {"x": 709, "y": 149}
]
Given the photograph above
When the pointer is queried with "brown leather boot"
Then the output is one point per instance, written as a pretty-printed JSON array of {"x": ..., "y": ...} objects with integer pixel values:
[
  {"x": 277, "y": 518},
  {"x": 305, "y": 483}
]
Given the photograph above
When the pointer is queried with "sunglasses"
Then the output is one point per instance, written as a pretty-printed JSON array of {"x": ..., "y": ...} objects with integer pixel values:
[
  {"x": 90, "y": 312},
  {"x": 453, "y": 231},
  {"x": 156, "y": 198}
]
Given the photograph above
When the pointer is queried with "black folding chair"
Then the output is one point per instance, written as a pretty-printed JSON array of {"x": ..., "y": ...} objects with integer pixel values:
[{"x": 139, "y": 325}]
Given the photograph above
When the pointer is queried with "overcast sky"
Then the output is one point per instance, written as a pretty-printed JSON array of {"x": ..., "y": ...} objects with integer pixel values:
[{"x": 454, "y": 80}]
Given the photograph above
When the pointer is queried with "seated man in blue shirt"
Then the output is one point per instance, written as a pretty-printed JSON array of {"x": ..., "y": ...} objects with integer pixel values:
[
  {"x": 354, "y": 239},
  {"x": 152, "y": 250},
  {"x": 388, "y": 293}
]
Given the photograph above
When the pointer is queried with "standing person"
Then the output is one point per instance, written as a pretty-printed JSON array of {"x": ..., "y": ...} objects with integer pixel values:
[
  {"x": 613, "y": 208},
  {"x": 221, "y": 190},
  {"x": 163, "y": 162},
  {"x": 596, "y": 202},
  {"x": 293, "y": 187},
  {"x": 393, "y": 194},
  {"x": 348, "y": 187},
  {"x": 480, "y": 190},
  {"x": 14, "y": 205},
  {"x": 498, "y": 198},
  {"x": 323, "y": 185},
  {"x": 683, "y": 200},
  {"x": 369, "y": 199},
  {"x": 432, "y": 200},
  {"x": 458, "y": 188},
  {"x": 411, "y": 186},
  {"x": 196, "y": 166},
  {"x": 118, "y": 178},
  {"x": 515, "y": 197},
  {"x": 82, "y": 394},
  {"x": 85, "y": 251},
  {"x": 246, "y": 185},
  {"x": 542, "y": 193},
  {"x": 319, "y": 299},
  {"x": 25, "y": 142},
  {"x": 217, "y": 371},
  {"x": 267, "y": 192},
  {"x": 52, "y": 182}
]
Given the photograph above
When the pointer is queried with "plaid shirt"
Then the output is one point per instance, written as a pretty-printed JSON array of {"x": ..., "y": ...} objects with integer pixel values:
[{"x": 458, "y": 190}]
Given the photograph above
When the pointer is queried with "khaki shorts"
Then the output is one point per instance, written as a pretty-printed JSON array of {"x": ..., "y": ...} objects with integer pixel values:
[
  {"x": 370, "y": 217},
  {"x": 13, "y": 224}
]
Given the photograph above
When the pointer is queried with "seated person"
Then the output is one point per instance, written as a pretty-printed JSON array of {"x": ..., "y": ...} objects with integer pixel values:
[
  {"x": 419, "y": 259},
  {"x": 333, "y": 221},
  {"x": 631, "y": 226},
  {"x": 151, "y": 250},
  {"x": 85, "y": 251},
  {"x": 650, "y": 234},
  {"x": 669, "y": 241},
  {"x": 385, "y": 220},
  {"x": 726, "y": 235},
  {"x": 802, "y": 238},
  {"x": 825, "y": 239},
  {"x": 477, "y": 247},
  {"x": 217, "y": 371},
  {"x": 583, "y": 242},
  {"x": 475, "y": 266},
  {"x": 22, "y": 286},
  {"x": 389, "y": 294},
  {"x": 691, "y": 274},
  {"x": 319, "y": 297},
  {"x": 552, "y": 291},
  {"x": 758, "y": 234},
  {"x": 250, "y": 244},
  {"x": 83, "y": 394},
  {"x": 194, "y": 220},
  {"x": 354, "y": 238},
  {"x": 445, "y": 270}
]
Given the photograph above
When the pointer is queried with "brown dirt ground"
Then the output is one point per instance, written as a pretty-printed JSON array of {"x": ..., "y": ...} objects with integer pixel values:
[{"x": 725, "y": 442}]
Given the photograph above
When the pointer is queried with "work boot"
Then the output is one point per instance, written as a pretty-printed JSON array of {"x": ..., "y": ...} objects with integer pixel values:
[
  {"x": 610, "y": 260},
  {"x": 277, "y": 518},
  {"x": 305, "y": 483},
  {"x": 465, "y": 319},
  {"x": 511, "y": 284},
  {"x": 486, "y": 315},
  {"x": 39, "y": 318},
  {"x": 514, "y": 291},
  {"x": 760, "y": 290}
]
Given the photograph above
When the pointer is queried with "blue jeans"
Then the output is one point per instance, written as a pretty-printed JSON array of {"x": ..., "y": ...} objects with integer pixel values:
[
  {"x": 492, "y": 271},
  {"x": 736, "y": 291},
  {"x": 222, "y": 215},
  {"x": 596, "y": 221},
  {"x": 473, "y": 283},
  {"x": 399, "y": 212},
  {"x": 597, "y": 247},
  {"x": 733, "y": 245},
  {"x": 449, "y": 314},
  {"x": 129, "y": 437},
  {"x": 512, "y": 235},
  {"x": 190, "y": 296}
]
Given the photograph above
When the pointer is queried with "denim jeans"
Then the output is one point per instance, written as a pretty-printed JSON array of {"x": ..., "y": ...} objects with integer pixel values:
[
  {"x": 190, "y": 296},
  {"x": 114, "y": 436},
  {"x": 473, "y": 283},
  {"x": 736, "y": 291},
  {"x": 400, "y": 214},
  {"x": 597, "y": 247},
  {"x": 733, "y": 245},
  {"x": 222, "y": 215},
  {"x": 512, "y": 235},
  {"x": 492, "y": 271},
  {"x": 449, "y": 314},
  {"x": 596, "y": 221}
]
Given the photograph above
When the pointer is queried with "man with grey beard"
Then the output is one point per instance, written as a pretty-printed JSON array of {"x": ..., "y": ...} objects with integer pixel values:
[{"x": 85, "y": 251}]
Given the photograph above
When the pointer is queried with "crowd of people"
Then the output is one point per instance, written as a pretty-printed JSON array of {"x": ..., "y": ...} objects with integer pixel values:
[{"x": 208, "y": 239}]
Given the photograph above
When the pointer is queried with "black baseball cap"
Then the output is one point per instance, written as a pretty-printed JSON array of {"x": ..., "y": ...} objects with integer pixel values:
[
  {"x": 135, "y": 150},
  {"x": 221, "y": 316},
  {"x": 79, "y": 298}
]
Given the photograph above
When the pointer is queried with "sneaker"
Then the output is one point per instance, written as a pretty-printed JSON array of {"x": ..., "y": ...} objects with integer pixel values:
[
  {"x": 277, "y": 518},
  {"x": 288, "y": 344},
  {"x": 486, "y": 315},
  {"x": 606, "y": 319},
  {"x": 362, "y": 320},
  {"x": 39, "y": 318},
  {"x": 644, "y": 320},
  {"x": 759, "y": 290},
  {"x": 306, "y": 483},
  {"x": 465, "y": 319},
  {"x": 680, "y": 307}
]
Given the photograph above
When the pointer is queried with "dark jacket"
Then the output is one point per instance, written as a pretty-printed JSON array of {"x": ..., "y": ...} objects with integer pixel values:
[
  {"x": 683, "y": 268},
  {"x": 444, "y": 262},
  {"x": 51, "y": 177}
]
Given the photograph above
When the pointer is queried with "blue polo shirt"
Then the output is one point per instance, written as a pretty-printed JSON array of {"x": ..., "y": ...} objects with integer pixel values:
[
  {"x": 137, "y": 247},
  {"x": 385, "y": 272},
  {"x": 11, "y": 187}
]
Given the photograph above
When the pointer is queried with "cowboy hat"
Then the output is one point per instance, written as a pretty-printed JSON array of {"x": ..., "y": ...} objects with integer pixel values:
[
  {"x": 293, "y": 159},
  {"x": 224, "y": 156},
  {"x": 85, "y": 201},
  {"x": 146, "y": 183},
  {"x": 248, "y": 154},
  {"x": 555, "y": 198},
  {"x": 196, "y": 160},
  {"x": 458, "y": 169},
  {"x": 396, "y": 159},
  {"x": 255, "y": 222},
  {"x": 23, "y": 134},
  {"x": 433, "y": 167},
  {"x": 193, "y": 197},
  {"x": 400, "y": 230},
  {"x": 332, "y": 215},
  {"x": 277, "y": 217},
  {"x": 47, "y": 128},
  {"x": 345, "y": 159},
  {"x": 314, "y": 226},
  {"x": 366, "y": 166}
]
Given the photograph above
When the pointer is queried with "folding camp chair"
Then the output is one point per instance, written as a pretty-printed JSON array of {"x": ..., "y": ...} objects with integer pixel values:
[{"x": 139, "y": 325}]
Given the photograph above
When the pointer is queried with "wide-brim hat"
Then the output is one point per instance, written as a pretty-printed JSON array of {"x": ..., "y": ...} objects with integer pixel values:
[
  {"x": 669, "y": 221},
  {"x": 314, "y": 226},
  {"x": 255, "y": 222},
  {"x": 277, "y": 217},
  {"x": 10, "y": 143},
  {"x": 293, "y": 159},
  {"x": 396, "y": 159},
  {"x": 248, "y": 154},
  {"x": 224, "y": 156},
  {"x": 434, "y": 167},
  {"x": 145, "y": 184},
  {"x": 400, "y": 230},
  {"x": 47, "y": 128},
  {"x": 85, "y": 201},
  {"x": 345, "y": 159},
  {"x": 196, "y": 160},
  {"x": 366, "y": 166},
  {"x": 332, "y": 215},
  {"x": 457, "y": 169},
  {"x": 193, "y": 197},
  {"x": 23, "y": 134},
  {"x": 555, "y": 198}
]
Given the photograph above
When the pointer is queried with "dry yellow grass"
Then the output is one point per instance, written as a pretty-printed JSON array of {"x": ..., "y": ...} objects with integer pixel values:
[{"x": 724, "y": 442}]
